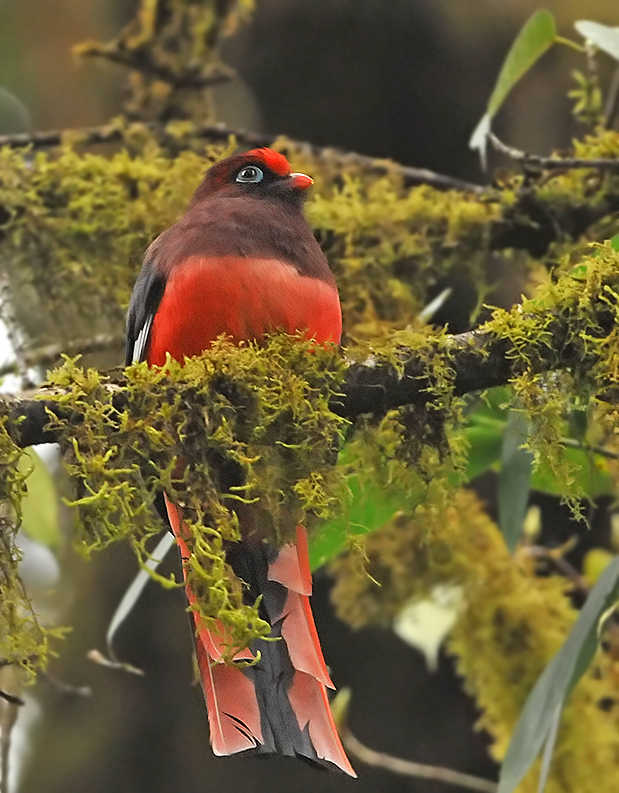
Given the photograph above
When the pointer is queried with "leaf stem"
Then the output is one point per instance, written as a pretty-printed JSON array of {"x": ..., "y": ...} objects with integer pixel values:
[{"x": 569, "y": 43}]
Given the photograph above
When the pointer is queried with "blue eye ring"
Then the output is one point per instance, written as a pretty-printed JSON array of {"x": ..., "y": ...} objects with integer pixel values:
[{"x": 250, "y": 174}]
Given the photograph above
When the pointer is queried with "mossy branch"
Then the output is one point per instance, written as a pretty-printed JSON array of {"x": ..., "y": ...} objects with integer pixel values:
[
  {"x": 167, "y": 135},
  {"x": 530, "y": 160},
  {"x": 559, "y": 329},
  {"x": 142, "y": 60}
]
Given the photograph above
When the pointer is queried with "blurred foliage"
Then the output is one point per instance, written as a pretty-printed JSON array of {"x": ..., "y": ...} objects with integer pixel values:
[
  {"x": 171, "y": 48},
  {"x": 511, "y": 623}
]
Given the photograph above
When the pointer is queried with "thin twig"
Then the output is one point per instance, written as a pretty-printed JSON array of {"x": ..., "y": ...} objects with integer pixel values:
[
  {"x": 68, "y": 689},
  {"x": 478, "y": 358},
  {"x": 14, "y": 700},
  {"x": 559, "y": 561},
  {"x": 142, "y": 61},
  {"x": 552, "y": 163},
  {"x": 398, "y": 765},
  {"x": 586, "y": 447},
  {"x": 90, "y": 136},
  {"x": 51, "y": 353}
]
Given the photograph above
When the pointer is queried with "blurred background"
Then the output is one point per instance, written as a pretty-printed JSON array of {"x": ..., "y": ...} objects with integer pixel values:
[{"x": 407, "y": 79}]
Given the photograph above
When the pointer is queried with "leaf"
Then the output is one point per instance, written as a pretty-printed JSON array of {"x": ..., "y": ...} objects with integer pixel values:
[
  {"x": 486, "y": 426},
  {"x": 514, "y": 478},
  {"x": 369, "y": 509},
  {"x": 127, "y": 604},
  {"x": 40, "y": 505},
  {"x": 534, "y": 38},
  {"x": 373, "y": 507},
  {"x": 604, "y": 37},
  {"x": 424, "y": 624},
  {"x": 614, "y": 243},
  {"x": 591, "y": 474},
  {"x": 549, "y": 748},
  {"x": 14, "y": 115},
  {"x": 485, "y": 442},
  {"x": 557, "y": 681}
]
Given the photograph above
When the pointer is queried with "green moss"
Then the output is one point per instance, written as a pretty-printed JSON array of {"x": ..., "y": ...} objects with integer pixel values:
[
  {"x": 24, "y": 642},
  {"x": 241, "y": 435},
  {"x": 573, "y": 318}
]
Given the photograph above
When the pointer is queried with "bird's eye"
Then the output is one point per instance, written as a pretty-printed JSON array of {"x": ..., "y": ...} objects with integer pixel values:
[{"x": 249, "y": 174}]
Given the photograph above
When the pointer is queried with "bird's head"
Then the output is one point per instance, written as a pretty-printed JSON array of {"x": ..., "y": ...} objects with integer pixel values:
[{"x": 257, "y": 173}]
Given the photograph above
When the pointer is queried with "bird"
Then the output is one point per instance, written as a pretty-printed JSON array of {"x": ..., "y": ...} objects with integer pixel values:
[{"x": 243, "y": 261}]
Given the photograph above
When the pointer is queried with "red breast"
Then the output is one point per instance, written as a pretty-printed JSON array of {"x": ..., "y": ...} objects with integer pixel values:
[{"x": 243, "y": 298}]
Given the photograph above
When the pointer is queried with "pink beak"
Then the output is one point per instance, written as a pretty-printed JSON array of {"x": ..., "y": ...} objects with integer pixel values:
[{"x": 301, "y": 181}]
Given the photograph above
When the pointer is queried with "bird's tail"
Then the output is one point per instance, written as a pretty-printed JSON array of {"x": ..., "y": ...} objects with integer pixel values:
[{"x": 279, "y": 704}]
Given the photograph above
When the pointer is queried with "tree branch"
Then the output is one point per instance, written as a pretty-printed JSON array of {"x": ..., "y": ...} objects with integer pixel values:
[
  {"x": 142, "y": 60},
  {"x": 552, "y": 163},
  {"x": 398, "y": 765},
  {"x": 478, "y": 360},
  {"x": 90, "y": 136}
]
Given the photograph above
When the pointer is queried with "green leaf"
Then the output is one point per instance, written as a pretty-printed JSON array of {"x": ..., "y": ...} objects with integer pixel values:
[
  {"x": 14, "y": 115},
  {"x": 604, "y": 37},
  {"x": 485, "y": 441},
  {"x": 40, "y": 506},
  {"x": 484, "y": 432},
  {"x": 590, "y": 470},
  {"x": 579, "y": 272},
  {"x": 535, "y": 37},
  {"x": 514, "y": 478},
  {"x": 557, "y": 681},
  {"x": 549, "y": 747},
  {"x": 369, "y": 509},
  {"x": 614, "y": 243}
]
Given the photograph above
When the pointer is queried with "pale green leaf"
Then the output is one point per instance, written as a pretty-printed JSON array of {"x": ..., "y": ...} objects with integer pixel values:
[
  {"x": 514, "y": 478},
  {"x": 534, "y": 38},
  {"x": 549, "y": 748},
  {"x": 133, "y": 592},
  {"x": 604, "y": 37},
  {"x": 14, "y": 115},
  {"x": 40, "y": 518},
  {"x": 557, "y": 681}
]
